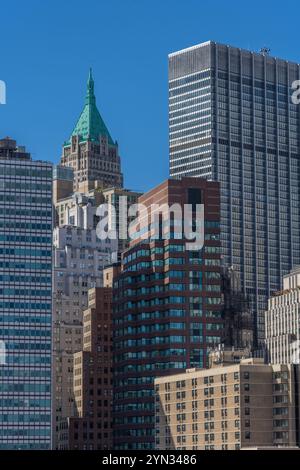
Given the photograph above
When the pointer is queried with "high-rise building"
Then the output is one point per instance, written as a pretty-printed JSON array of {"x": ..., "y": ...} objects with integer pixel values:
[
  {"x": 231, "y": 407},
  {"x": 237, "y": 315},
  {"x": 91, "y": 426},
  {"x": 117, "y": 200},
  {"x": 72, "y": 209},
  {"x": 232, "y": 120},
  {"x": 167, "y": 304},
  {"x": 63, "y": 177},
  {"x": 79, "y": 259},
  {"x": 282, "y": 321},
  {"x": 90, "y": 150},
  {"x": 25, "y": 299},
  {"x": 120, "y": 199}
]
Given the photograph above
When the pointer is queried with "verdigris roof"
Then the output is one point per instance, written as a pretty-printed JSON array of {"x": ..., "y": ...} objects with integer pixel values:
[{"x": 90, "y": 124}]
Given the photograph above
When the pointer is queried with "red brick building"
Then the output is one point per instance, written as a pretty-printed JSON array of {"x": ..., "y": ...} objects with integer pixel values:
[{"x": 167, "y": 305}]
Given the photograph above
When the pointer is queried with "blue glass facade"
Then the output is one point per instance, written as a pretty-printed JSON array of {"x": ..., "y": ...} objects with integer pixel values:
[{"x": 25, "y": 299}]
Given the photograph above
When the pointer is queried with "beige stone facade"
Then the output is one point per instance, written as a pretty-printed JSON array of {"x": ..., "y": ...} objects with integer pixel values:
[
  {"x": 250, "y": 404},
  {"x": 89, "y": 426},
  {"x": 282, "y": 321},
  {"x": 93, "y": 161}
]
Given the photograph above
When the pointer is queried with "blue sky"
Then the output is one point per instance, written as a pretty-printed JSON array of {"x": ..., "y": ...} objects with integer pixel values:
[{"x": 48, "y": 46}]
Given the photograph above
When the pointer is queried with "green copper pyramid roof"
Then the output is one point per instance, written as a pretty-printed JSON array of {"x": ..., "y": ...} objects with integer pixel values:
[{"x": 90, "y": 124}]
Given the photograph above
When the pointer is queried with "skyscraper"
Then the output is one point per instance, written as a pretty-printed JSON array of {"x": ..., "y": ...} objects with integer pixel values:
[
  {"x": 25, "y": 299},
  {"x": 90, "y": 150},
  {"x": 232, "y": 120},
  {"x": 238, "y": 318},
  {"x": 63, "y": 177},
  {"x": 89, "y": 175},
  {"x": 120, "y": 199},
  {"x": 167, "y": 306}
]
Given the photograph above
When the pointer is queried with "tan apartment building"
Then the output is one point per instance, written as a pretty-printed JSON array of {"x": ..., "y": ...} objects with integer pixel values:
[
  {"x": 248, "y": 404},
  {"x": 90, "y": 425}
]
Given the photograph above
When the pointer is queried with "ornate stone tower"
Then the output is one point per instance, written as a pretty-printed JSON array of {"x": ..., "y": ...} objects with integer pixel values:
[{"x": 90, "y": 151}]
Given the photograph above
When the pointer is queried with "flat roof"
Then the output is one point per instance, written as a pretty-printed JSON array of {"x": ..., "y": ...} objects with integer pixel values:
[{"x": 206, "y": 43}]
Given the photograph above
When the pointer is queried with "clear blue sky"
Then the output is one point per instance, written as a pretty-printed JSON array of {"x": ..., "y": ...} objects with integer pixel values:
[{"x": 48, "y": 46}]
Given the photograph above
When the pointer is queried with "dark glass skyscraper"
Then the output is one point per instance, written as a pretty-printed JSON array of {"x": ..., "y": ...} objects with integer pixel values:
[
  {"x": 232, "y": 119},
  {"x": 25, "y": 299}
]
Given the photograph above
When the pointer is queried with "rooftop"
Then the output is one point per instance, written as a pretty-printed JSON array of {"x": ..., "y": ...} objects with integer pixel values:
[
  {"x": 207, "y": 43},
  {"x": 90, "y": 124}
]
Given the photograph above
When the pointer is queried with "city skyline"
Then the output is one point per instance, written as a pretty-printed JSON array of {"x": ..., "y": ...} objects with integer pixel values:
[{"x": 149, "y": 227}]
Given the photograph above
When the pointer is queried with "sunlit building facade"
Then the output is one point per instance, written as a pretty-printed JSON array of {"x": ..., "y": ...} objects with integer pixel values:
[{"x": 25, "y": 299}]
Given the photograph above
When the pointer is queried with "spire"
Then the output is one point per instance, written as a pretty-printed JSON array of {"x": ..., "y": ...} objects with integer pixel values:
[
  {"x": 90, "y": 124},
  {"x": 90, "y": 94}
]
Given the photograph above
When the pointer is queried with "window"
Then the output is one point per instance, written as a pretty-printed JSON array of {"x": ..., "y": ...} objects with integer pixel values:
[{"x": 280, "y": 435}]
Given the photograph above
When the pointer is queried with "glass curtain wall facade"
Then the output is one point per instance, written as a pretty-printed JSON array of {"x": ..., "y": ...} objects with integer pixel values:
[
  {"x": 25, "y": 299},
  {"x": 232, "y": 119}
]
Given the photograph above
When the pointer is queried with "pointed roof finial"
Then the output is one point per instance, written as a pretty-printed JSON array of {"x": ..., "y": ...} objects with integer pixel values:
[
  {"x": 90, "y": 96},
  {"x": 90, "y": 124}
]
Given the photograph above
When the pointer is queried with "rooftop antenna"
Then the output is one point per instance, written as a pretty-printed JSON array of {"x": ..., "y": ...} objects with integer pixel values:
[{"x": 265, "y": 51}]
